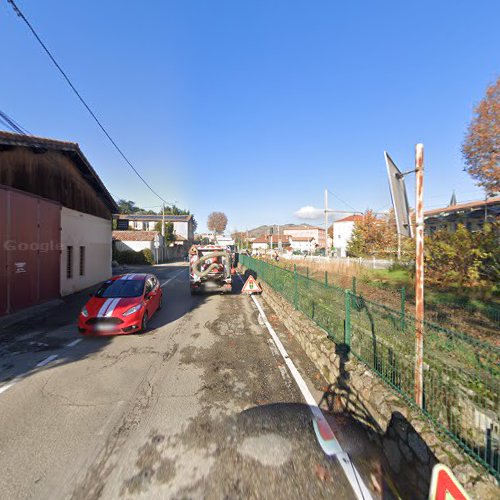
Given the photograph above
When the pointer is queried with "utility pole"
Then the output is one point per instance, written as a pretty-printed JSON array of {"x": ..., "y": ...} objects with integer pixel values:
[
  {"x": 163, "y": 232},
  {"x": 163, "y": 220},
  {"x": 326, "y": 223},
  {"x": 419, "y": 274}
]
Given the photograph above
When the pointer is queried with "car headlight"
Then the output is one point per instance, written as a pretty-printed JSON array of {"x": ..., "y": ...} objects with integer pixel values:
[
  {"x": 132, "y": 310},
  {"x": 85, "y": 312}
]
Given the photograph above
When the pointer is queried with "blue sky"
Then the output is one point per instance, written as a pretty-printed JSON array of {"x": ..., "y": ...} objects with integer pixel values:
[{"x": 253, "y": 108}]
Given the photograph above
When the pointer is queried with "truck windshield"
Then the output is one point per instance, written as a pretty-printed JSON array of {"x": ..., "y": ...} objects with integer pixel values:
[{"x": 121, "y": 288}]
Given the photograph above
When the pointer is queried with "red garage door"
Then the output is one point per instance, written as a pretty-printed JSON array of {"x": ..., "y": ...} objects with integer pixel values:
[{"x": 30, "y": 254}]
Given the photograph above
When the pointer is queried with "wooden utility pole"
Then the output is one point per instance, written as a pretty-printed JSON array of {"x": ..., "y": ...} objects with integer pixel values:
[
  {"x": 163, "y": 232},
  {"x": 163, "y": 220},
  {"x": 419, "y": 274},
  {"x": 326, "y": 223}
]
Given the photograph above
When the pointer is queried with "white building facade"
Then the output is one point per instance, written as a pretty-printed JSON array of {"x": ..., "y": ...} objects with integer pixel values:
[
  {"x": 183, "y": 224},
  {"x": 303, "y": 244},
  {"x": 86, "y": 250},
  {"x": 318, "y": 233},
  {"x": 342, "y": 232}
]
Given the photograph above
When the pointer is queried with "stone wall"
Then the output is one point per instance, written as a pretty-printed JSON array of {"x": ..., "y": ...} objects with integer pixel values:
[{"x": 409, "y": 441}]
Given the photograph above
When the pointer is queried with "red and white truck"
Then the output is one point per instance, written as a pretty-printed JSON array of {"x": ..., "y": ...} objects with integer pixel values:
[{"x": 211, "y": 267}]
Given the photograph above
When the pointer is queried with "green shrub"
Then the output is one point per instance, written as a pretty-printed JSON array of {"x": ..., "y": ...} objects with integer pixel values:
[
  {"x": 129, "y": 257},
  {"x": 148, "y": 256}
]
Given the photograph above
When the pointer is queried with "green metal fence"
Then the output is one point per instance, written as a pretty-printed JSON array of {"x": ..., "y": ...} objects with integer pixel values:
[
  {"x": 461, "y": 373},
  {"x": 455, "y": 313}
]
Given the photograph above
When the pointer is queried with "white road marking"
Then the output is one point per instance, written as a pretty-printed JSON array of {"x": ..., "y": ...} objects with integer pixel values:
[
  {"x": 46, "y": 361},
  {"x": 284, "y": 374},
  {"x": 173, "y": 277},
  {"x": 350, "y": 471},
  {"x": 72, "y": 344}
]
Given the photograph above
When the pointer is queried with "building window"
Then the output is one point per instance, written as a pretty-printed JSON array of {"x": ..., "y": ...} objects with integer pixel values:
[
  {"x": 69, "y": 262},
  {"x": 82, "y": 261}
]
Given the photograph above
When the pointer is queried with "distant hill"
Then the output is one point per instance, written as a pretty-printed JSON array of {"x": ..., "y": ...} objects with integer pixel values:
[{"x": 264, "y": 230}]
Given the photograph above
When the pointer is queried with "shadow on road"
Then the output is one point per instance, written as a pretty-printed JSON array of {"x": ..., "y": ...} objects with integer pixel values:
[
  {"x": 32, "y": 340},
  {"x": 294, "y": 420}
]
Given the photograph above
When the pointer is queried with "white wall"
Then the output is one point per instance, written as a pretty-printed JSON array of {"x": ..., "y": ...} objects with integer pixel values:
[
  {"x": 182, "y": 228},
  {"x": 314, "y": 232},
  {"x": 342, "y": 232},
  {"x": 308, "y": 246},
  {"x": 136, "y": 246},
  {"x": 259, "y": 246},
  {"x": 93, "y": 233}
]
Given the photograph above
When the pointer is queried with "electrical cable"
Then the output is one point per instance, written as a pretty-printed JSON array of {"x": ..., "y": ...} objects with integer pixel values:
[
  {"x": 342, "y": 201},
  {"x": 11, "y": 124},
  {"x": 82, "y": 100}
]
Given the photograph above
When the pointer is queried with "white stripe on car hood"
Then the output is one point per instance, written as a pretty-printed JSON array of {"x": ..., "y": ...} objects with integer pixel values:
[
  {"x": 103, "y": 308},
  {"x": 111, "y": 307}
]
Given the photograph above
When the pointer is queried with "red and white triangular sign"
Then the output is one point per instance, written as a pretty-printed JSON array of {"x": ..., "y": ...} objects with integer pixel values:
[
  {"x": 251, "y": 286},
  {"x": 445, "y": 486}
]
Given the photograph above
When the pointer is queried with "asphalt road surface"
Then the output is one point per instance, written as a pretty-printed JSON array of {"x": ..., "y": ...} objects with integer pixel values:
[{"x": 200, "y": 406}]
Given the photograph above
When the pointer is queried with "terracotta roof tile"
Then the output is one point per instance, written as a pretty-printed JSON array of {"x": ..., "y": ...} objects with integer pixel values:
[
  {"x": 350, "y": 218},
  {"x": 135, "y": 235}
]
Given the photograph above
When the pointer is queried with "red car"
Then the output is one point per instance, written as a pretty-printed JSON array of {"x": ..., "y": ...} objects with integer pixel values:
[{"x": 123, "y": 304}]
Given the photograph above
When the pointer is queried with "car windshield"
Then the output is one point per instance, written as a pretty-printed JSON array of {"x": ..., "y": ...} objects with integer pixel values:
[{"x": 121, "y": 288}]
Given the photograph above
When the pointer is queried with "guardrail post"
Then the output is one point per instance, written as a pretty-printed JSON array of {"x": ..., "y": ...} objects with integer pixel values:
[
  {"x": 295, "y": 287},
  {"x": 354, "y": 285},
  {"x": 403, "y": 304},
  {"x": 347, "y": 323},
  {"x": 326, "y": 279}
]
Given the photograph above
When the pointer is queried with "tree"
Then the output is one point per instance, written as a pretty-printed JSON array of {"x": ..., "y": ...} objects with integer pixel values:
[
  {"x": 127, "y": 207},
  {"x": 240, "y": 238},
  {"x": 372, "y": 236},
  {"x": 169, "y": 231},
  {"x": 481, "y": 147},
  {"x": 217, "y": 222},
  {"x": 463, "y": 258}
]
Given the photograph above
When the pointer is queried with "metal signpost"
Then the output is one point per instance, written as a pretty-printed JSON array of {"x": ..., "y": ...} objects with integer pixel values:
[
  {"x": 156, "y": 245},
  {"x": 403, "y": 225}
]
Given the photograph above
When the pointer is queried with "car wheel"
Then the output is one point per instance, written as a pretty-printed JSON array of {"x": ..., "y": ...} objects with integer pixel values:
[
  {"x": 144, "y": 324},
  {"x": 160, "y": 304}
]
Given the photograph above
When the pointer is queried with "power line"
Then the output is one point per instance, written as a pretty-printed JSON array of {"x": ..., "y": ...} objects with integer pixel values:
[
  {"x": 82, "y": 100},
  {"x": 342, "y": 201},
  {"x": 11, "y": 124}
]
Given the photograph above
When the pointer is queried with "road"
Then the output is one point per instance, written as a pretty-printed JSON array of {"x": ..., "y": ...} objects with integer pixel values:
[{"x": 201, "y": 406}]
